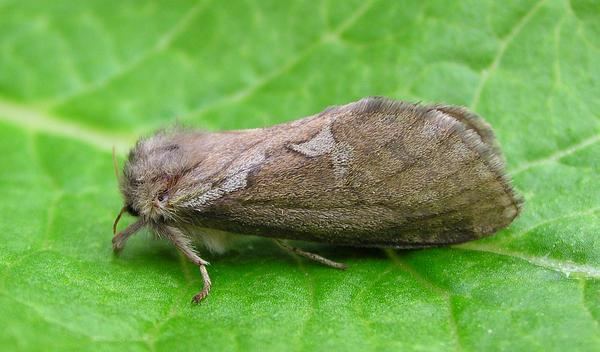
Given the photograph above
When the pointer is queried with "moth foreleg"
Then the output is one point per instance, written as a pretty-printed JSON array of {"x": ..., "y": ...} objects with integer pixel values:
[
  {"x": 311, "y": 256},
  {"x": 184, "y": 245},
  {"x": 121, "y": 238}
]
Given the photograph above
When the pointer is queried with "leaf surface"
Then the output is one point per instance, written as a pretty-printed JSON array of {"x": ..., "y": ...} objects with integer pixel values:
[{"x": 77, "y": 78}]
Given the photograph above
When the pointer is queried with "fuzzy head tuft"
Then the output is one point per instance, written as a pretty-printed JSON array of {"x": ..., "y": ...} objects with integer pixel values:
[{"x": 151, "y": 177}]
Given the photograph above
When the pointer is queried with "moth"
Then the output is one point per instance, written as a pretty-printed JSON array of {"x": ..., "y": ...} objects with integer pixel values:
[{"x": 373, "y": 173}]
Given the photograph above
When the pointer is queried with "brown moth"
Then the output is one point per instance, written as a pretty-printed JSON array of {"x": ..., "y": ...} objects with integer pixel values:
[{"x": 373, "y": 173}]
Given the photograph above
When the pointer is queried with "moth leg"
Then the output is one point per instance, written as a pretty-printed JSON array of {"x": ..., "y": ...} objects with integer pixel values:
[
  {"x": 121, "y": 238},
  {"x": 207, "y": 285},
  {"x": 311, "y": 256},
  {"x": 184, "y": 245}
]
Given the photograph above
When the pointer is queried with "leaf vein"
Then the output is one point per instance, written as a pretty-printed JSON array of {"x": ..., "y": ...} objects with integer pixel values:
[
  {"x": 56, "y": 322},
  {"x": 430, "y": 285},
  {"x": 45, "y": 122},
  {"x": 287, "y": 66},
  {"x": 564, "y": 267},
  {"x": 583, "y": 287},
  {"x": 360, "y": 312},
  {"x": 557, "y": 155},
  {"x": 504, "y": 44},
  {"x": 162, "y": 43},
  {"x": 556, "y": 219}
]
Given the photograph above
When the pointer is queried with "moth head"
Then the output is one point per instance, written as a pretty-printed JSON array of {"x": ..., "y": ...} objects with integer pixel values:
[
  {"x": 148, "y": 197},
  {"x": 149, "y": 182},
  {"x": 150, "y": 177}
]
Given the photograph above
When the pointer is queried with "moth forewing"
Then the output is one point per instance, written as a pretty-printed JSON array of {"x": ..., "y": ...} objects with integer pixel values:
[{"x": 374, "y": 173}]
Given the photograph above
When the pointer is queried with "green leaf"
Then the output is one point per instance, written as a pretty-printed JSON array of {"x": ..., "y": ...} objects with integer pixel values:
[{"x": 77, "y": 78}]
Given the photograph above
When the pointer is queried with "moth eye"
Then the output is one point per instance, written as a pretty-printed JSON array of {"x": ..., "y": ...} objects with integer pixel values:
[
  {"x": 131, "y": 211},
  {"x": 162, "y": 197}
]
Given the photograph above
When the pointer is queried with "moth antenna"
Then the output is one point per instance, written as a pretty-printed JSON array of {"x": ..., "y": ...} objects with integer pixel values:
[
  {"x": 117, "y": 220},
  {"x": 115, "y": 164}
]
